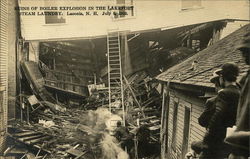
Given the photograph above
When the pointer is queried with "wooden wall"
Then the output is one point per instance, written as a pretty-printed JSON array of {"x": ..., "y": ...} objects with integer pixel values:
[
  {"x": 196, "y": 132},
  {"x": 3, "y": 71},
  {"x": 13, "y": 27}
]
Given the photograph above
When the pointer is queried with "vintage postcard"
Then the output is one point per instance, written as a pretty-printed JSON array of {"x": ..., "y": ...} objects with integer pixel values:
[{"x": 124, "y": 79}]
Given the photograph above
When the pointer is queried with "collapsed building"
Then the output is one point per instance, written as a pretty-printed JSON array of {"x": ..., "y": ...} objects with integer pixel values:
[{"x": 67, "y": 83}]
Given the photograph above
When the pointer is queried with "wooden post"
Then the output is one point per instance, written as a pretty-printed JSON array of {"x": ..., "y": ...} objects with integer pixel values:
[
  {"x": 28, "y": 115},
  {"x": 134, "y": 96},
  {"x": 164, "y": 121}
]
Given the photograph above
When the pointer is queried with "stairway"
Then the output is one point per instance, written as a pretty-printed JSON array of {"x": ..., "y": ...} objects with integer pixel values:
[{"x": 115, "y": 71}]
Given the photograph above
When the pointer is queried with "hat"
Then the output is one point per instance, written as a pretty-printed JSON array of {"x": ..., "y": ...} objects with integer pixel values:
[
  {"x": 215, "y": 75},
  {"x": 229, "y": 71}
]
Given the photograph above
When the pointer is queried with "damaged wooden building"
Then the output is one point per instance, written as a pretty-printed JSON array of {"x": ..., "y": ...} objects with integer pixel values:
[
  {"x": 85, "y": 62},
  {"x": 189, "y": 87}
]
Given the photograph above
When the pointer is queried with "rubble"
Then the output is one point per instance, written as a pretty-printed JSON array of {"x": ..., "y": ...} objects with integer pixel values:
[
  {"x": 73, "y": 132},
  {"x": 86, "y": 131}
]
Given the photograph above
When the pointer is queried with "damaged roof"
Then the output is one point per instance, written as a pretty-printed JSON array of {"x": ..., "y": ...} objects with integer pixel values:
[{"x": 208, "y": 60}]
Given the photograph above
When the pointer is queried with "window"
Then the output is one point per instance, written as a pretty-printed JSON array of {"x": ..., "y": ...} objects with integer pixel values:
[
  {"x": 52, "y": 18},
  {"x": 196, "y": 45},
  {"x": 126, "y": 9},
  {"x": 190, "y": 4},
  {"x": 186, "y": 130},
  {"x": 174, "y": 125}
]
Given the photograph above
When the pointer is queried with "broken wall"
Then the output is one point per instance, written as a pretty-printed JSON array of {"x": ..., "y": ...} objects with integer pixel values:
[{"x": 34, "y": 51}]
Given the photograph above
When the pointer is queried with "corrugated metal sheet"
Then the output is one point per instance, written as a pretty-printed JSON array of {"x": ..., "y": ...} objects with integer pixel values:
[{"x": 3, "y": 69}]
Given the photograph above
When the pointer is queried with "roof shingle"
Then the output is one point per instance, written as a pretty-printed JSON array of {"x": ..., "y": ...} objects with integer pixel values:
[{"x": 209, "y": 60}]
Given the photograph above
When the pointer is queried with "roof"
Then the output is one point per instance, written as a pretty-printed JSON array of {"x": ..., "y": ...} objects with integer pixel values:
[{"x": 208, "y": 60}]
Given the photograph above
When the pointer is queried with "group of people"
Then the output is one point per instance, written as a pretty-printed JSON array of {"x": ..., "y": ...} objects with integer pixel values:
[
  {"x": 226, "y": 115},
  {"x": 136, "y": 144}
]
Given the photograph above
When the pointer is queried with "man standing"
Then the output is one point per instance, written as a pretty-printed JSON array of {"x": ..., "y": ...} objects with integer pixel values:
[
  {"x": 210, "y": 103},
  {"x": 239, "y": 139},
  {"x": 225, "y": 113},
  {"x": 123, "y": 136}
]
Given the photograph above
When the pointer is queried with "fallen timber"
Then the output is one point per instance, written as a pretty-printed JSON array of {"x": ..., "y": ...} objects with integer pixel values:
[{"x": 60, "y": 132}]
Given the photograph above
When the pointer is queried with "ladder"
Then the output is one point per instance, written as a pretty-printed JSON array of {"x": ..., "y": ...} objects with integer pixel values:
[{"x": 115, "y": 70}]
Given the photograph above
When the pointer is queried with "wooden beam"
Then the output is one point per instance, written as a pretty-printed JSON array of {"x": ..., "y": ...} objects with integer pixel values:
[
  {"x": 69, "y": 73},
  {"x": 66, "y": 51},
  {"x": 73, "y": 61},
  {"x": 25, "y": 134},
  {"x": 77, "y": 67},
  {"x": 134, "y": 96},
  {"x": 164, "y": 121}
]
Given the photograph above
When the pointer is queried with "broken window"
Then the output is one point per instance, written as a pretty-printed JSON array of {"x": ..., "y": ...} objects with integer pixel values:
[{"x": 190, "y": 4}]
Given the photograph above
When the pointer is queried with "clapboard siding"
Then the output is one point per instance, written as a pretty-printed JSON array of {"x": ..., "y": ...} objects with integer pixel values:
[
  {"x": 3, "y": 69},
  {"x": 171, "y": 154},
  {"x": 12, "y": 43},
  {"x": 180, "y": 125},
  {"x": 196, "y": 132}
]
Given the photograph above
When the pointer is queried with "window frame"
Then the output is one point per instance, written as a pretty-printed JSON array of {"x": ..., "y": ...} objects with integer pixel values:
[
  {"x": 132, "y": 16},
  {"x": 54, "y": 23},
  {"x": 185, "y": 130},
  {"x": 54, "y": 3},
  {"x": 183, "y": 9},
  {"x": 175, "y": 125}
]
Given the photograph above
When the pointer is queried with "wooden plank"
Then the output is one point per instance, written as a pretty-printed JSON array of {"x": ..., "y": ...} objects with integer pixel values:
[
  {"x": 31, "y": 137},
  {"x": 25, "y": 134},
  {"x": 194, "y": 118},
  {"x": 134, "y": 96},
  {"x": 76, "y": 153},
  {"x": 197, "y": 128},
  {"x": 35, "y": 141},
  {"x": 148, "y": 118},
  {"x": 66, "y": 91},
  {"x": 196, "y": 113},
  {"x": 164, "y": 133},
  {"x": 196, "y": 137},
  {"x": 197, "y": 109},
  {"x": 2, "y": 88}
]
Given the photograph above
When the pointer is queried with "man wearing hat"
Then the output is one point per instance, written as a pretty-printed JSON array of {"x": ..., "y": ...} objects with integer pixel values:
[
  {"x": 198, "y": 146},
  {"x": 225, "y": 112},
  {"x": 239, "y": 139},
  {"x": 210, "y": 103}
]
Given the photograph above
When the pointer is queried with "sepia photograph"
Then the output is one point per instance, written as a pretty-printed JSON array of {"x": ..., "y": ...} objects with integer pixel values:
[{"x": 124, "y": 79}]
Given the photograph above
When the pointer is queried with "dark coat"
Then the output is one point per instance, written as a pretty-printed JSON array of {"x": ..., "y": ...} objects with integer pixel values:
[
  {"x": 239, "y": 140},
  {"x": 122, "y": 133},
  {"x": 223, "y": 117},
  {"x": 209, "y": 110}
]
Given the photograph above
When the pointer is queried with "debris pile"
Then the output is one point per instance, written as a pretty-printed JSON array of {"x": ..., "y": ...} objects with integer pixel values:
[
  {"x": 86, "y": 131},
  {"x": 72, "y": 132}
]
